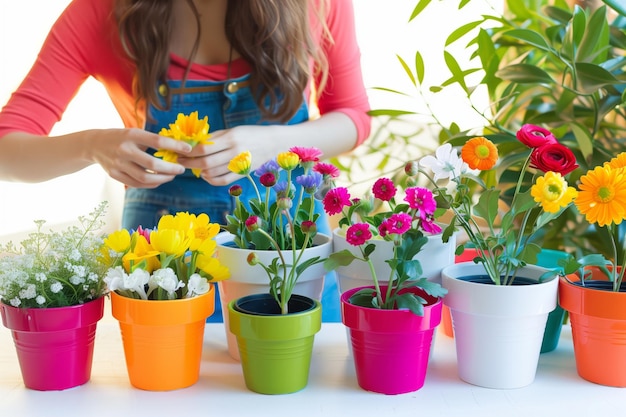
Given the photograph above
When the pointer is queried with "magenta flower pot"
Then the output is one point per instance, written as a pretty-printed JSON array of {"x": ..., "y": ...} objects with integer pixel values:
[
  {"x": 390, "y": 348},
  {"x": 54, "y": 345}
]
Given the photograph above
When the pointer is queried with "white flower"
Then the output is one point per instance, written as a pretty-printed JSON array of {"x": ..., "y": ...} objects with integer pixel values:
[
  {"x": 445, "y": 164},
  {"x": 197, "y": 285},
  {"x": 15, "y": 302},
  {"x": 75, "y": 255},
  {"x": 76, "y": 280},
  {"x": 29, "y": 292},
  {"x": 40, "y": 299},
  {"x": 40, "y": 277},
  {"x": 56, "y": 287},
  {"x": 114, "y": 278},
  {"x": 166, "y": 279}
]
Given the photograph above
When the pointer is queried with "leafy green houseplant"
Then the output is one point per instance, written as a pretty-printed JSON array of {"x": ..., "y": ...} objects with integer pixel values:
[
  {"x": 55, "y": 269},
  {"x": 539, "y": 62},
  {"x": 280, "y": 219}
]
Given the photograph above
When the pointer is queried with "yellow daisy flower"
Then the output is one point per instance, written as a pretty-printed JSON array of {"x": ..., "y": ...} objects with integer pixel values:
[
  {"x": 552, "y": 192},
  {"x": 189, "y": 129},
  {"x": 288, "y": 160},
  {"x": 618, "y": 162},
  {"x": 602, "y": 195},
  {"x": 479, "y": 153},
  {"x": 241, "y": 163}
]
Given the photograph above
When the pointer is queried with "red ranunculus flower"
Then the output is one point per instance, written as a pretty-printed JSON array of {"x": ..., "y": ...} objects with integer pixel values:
[
  {"x": 553, "y": 157},
  {"x": 535, "y": 136}
]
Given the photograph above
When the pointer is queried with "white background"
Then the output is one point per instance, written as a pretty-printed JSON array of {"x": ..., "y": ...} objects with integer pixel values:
[{"x": 383, "y": 31}]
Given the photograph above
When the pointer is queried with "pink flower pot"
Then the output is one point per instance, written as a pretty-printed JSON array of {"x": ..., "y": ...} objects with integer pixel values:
[
  {"x": 390, "y": 348},
  {"x": 54, "y": 345}
]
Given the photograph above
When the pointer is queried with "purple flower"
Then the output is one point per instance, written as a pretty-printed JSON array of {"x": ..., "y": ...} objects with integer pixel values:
[
  {"x": 270, "y": 166},
  {"x": 310, "y": 182}
]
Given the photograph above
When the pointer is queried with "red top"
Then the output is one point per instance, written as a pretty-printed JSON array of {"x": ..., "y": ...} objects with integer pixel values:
[{"x": 84, "y": 42}]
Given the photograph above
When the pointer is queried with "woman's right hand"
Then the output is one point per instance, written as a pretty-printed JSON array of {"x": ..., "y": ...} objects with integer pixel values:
[{"x": 122, "y": 154}]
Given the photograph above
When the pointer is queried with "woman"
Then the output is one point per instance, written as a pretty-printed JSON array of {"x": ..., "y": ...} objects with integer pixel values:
[{"x": 252, "y": 67}]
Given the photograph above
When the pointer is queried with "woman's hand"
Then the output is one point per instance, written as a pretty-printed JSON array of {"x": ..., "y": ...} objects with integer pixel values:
[
  {"x": 213, "y": 159},
  {"x": 122, "y": 154}
]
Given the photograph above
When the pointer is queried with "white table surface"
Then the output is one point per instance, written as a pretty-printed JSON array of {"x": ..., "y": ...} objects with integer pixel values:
[{"x": 332, "y": 389}]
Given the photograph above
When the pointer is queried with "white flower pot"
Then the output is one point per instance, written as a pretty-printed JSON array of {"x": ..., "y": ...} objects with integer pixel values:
[
  {"x": 498, "y": 330},
  {"x": 247, "y": 280}
]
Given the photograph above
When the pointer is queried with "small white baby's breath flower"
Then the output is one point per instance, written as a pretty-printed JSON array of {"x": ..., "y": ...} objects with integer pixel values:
[
  {"x": 15, "y": 302},
  {"x": 40, "y": 277},
  {"x": 40, "y": 299},
  {"x": 56, "y": 287},
  {"x": 76, "y": 280}
]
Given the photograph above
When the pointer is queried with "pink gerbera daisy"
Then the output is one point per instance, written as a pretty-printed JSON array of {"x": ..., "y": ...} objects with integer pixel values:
[
  {"x": 397, "y": 223},
  {"x": 327, "y": 170},
  {"x": 336, "y": 199},
  {"x": 306, "y": 154}
]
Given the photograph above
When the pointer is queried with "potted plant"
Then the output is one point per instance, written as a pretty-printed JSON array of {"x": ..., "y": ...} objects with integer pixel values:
[
  {"x": 275, "y": 326},
  {"x": 501, "y": 286},
  {"x": 51, "y": 298},
  {"x": 392, "y": 317},
  {"x": 161, "y": 294},
  {"x": 592, "y": 289}
]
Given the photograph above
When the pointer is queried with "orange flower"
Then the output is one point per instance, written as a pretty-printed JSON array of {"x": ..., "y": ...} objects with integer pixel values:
[{"x": 479, "y": 153}]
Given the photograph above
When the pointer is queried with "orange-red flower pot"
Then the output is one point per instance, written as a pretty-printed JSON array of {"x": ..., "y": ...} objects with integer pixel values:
[
  {"x": 163, "y": 339},
  {"x": 598, "y": 320}
]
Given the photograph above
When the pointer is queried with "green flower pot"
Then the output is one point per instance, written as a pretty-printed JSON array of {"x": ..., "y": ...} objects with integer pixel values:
[{"x": 275, "y": 349}]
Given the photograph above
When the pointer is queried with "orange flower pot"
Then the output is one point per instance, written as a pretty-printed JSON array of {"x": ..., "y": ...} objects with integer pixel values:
[
  {"x": 598, "y": 319},
  {"x": 163, "y": 339}
]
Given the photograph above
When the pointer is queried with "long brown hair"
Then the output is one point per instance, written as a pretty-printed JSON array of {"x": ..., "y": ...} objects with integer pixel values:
[{"x": 273, "y": 36}]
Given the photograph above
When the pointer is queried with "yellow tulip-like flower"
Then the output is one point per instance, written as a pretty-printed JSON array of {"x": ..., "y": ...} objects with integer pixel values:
[
  {"x": 602, "y": 195},
  {"x": 288, "y": 160},
  {"x": 118, "y": 241},
  {"x": 212, "y": 266},
  {"x": 142, "y": 255},
  {"x": 203, "y": 230},
  {"x": 241, "y": 163},
  {"x": 189, "y": 129},
  {"x": 170, "y": 241},
  {"x": 479, "y": 153},
  {"x": 552, "y": 192},
  {"x": 182, "y": 221}
]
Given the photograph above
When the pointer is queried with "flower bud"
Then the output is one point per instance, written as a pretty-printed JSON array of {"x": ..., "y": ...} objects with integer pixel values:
[
  {"x": 309, "y": 226},
  {"x": 285, "y": 203},
  {"x": 235, "y": 190},
  {"x": 268, "y": 179},
  {"x": 253, "y": 223},
  {"x": 252, "y": 259},
  {"x": 411, "y": 168}
]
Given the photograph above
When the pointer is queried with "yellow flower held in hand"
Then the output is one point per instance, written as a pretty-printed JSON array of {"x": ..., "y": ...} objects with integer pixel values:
[
  {"x": 189, "y": 129},
  {"x": 602, "y": 195},
  {"x": 479, "y": 153},
  {"x": 241, "y": 163},
  {"x": 552, "y": 192}
]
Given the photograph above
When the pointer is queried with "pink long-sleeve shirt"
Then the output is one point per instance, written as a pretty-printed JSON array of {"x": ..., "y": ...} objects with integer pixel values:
[{"x": 84, "y": 42}]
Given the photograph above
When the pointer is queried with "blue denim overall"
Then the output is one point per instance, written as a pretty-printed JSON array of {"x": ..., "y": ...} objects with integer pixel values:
[{"x": 227, "y": 105}]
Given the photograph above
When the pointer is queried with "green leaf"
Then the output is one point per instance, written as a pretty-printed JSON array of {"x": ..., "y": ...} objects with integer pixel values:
[
  {"x": 530, "y": 37},
  {"x": 411, "y": 302},
  {"x": 407, "y": 70},
  {"x": 524, "y": 74},
  {"x": 419, "y": 67},
  {"x": 487, "y": 207},
  {"x": 591, "y": 77},
  {"x": 595, "y": 38},
  {"x": 389, "y": 112},
  {"x": 419, "y": 8},
  {"x": 618, "y": 5},
  {"x": 461, "y": 31},
  {"x": 455, "y": 69},
  {"x": 583, "y": 139},
  {"x": 337, "y": 259}
]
